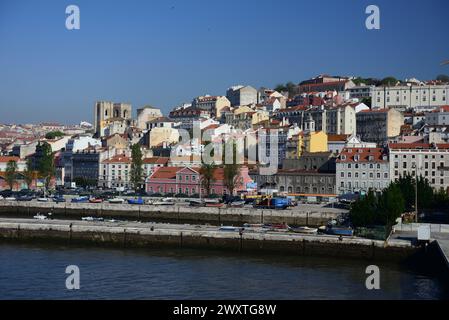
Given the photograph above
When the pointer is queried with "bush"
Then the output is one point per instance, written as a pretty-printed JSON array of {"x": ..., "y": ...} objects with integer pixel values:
[{"x": 181, "y": 195}]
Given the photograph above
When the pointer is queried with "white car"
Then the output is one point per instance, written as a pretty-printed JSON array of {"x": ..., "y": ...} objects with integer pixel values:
[
  {"x": 42, "y": 200},
  {"x": 10, "y": 199}
]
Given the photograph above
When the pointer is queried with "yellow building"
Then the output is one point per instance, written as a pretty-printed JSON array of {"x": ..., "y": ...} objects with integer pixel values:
[
  {"x": 314, "y": 142},
  {"x": 308, "y": 140}
]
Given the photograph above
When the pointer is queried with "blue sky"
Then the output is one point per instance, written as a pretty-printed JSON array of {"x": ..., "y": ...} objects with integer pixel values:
[{"x": 164, "y": 53}]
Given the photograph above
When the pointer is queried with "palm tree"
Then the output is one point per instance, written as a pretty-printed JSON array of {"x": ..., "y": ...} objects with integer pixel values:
[
  {"x": 11, "y": 173},
  {"x": 207, "y": 176}
]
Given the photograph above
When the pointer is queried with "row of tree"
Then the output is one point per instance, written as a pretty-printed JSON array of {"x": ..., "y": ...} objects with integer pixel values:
[
  {"x": 43, "y": 169},
  {"x": 399, "y": 197}
]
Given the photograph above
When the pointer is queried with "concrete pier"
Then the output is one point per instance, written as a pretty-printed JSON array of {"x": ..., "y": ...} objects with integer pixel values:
[
  {"x": 302, "y": 215},
  {"x": 147, "y": 235},
  {"x": 443, "y": 245}
]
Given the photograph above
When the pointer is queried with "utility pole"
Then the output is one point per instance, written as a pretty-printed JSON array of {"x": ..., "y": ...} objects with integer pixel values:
[{"x": 414, "y": 166}]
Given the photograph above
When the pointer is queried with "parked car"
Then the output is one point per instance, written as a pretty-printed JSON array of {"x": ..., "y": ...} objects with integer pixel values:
[
  {"x": 58, "y": 198},
  {"x": 80, "y": 200},
  {"x": 24, "y": 198}
]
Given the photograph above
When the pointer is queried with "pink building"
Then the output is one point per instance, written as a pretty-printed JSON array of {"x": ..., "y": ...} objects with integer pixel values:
[{"x": 186, "y": 180}]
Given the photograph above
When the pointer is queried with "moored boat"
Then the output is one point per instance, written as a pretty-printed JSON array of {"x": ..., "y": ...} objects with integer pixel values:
[
  {"x": 116, "y": 200},
  {"x": 136, "y": 201},
  {"x": 299, "y": 229},
  {"x": 165, "y": 202},
  {"x": 91, "y": 219},
  {"x": 340, "y": 231},
  {"x": 40, "y": 217},
  {"x": 229, "y": 228}
]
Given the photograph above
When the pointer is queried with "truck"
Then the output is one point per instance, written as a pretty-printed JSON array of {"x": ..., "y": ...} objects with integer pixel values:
[{"x": 276, "y": 203}]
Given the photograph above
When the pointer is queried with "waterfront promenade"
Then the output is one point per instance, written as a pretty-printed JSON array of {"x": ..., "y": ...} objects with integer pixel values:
[
  {"x": 309, "y": 215},
  {"x": 156, "y": 235}
]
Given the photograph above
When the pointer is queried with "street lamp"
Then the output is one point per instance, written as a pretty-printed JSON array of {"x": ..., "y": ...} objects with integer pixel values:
[{"x": 416, "y": 192}]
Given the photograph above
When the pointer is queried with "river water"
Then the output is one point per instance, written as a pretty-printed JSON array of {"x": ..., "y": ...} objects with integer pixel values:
[{"x": 38, "y": 272}]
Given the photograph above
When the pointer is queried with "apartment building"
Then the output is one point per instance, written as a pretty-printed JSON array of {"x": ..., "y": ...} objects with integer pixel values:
[
  {"x": 421, "y": 98},
  {"x": 438, "y": 117},
  {"x": 379, "y": 125},
  {"x": 213, "y": 104},
  {"x": 359, "y": 170},
  {"x": 115, "y": 172},
  {"x": 420, "y": 159},
  {"x": 242, "y": 95}
]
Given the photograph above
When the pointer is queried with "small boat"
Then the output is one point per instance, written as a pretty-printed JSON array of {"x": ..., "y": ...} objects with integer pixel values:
[
  {"x": 306, "y": 230},
  {"x": 40, "y": 217},
  {"x": 116, "y": 200},
  {"x": 253, "y": 225},
  {"x": 95, "y": 200},
  {"x": 340, "y": 231},
  {"x": 80, "y": 200},
  {"x": 196, "y": 203},
  {"x": 136, "y": 201},
  {"x": 91, "y": 219},
  {"x": 237, "y": 204},
  {"x": 214, "y": 205},
  {"x": 229, "y": 228},
  {"x": 165, "y": 202}
]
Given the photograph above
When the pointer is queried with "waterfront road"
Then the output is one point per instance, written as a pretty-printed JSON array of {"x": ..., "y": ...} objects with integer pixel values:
[{"x": 137, "y": 226}]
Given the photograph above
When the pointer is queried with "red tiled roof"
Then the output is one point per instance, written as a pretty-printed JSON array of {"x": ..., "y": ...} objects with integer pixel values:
[
  {"x": 348, "y": 155},
  {"x": 337, "y": 137},
  {"x": 417, "y": 145},
  {"x": 155, "y": 160},
  {"x": 165, "y": 173},
  {"x": 118, "y": 159},
  {"x": 8, "y": 158}
]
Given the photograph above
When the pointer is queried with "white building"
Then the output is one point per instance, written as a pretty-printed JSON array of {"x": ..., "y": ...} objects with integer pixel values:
[
  {"x": 359, "y": 170},
  {"x": 421, "y": 98},
  {"x": 115, "y": 172},
  {"x": 430, "y": 161},
  {"x": 439, "y": 116}
]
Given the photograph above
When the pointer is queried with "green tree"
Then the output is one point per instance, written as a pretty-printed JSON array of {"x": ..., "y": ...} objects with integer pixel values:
[
  {"x": 11, "y": 173},
  {"x": 280, "y": 88},
  {"x": 391, "y": 205},
  {"x": 136, "y": 166},
  {"x": 46, "y": 165},
  {"x": 389, "y": 81},
  {"x": 364, "y": 212},
  {"x": 54, "y": 134},
  {"x": 425, "y": 193},
  {"x": 207, "y": 176},
  {"x": 230, "y": 166},
  {"x": 28, "y": 173},
  {"x": 407, "y": 186}
]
